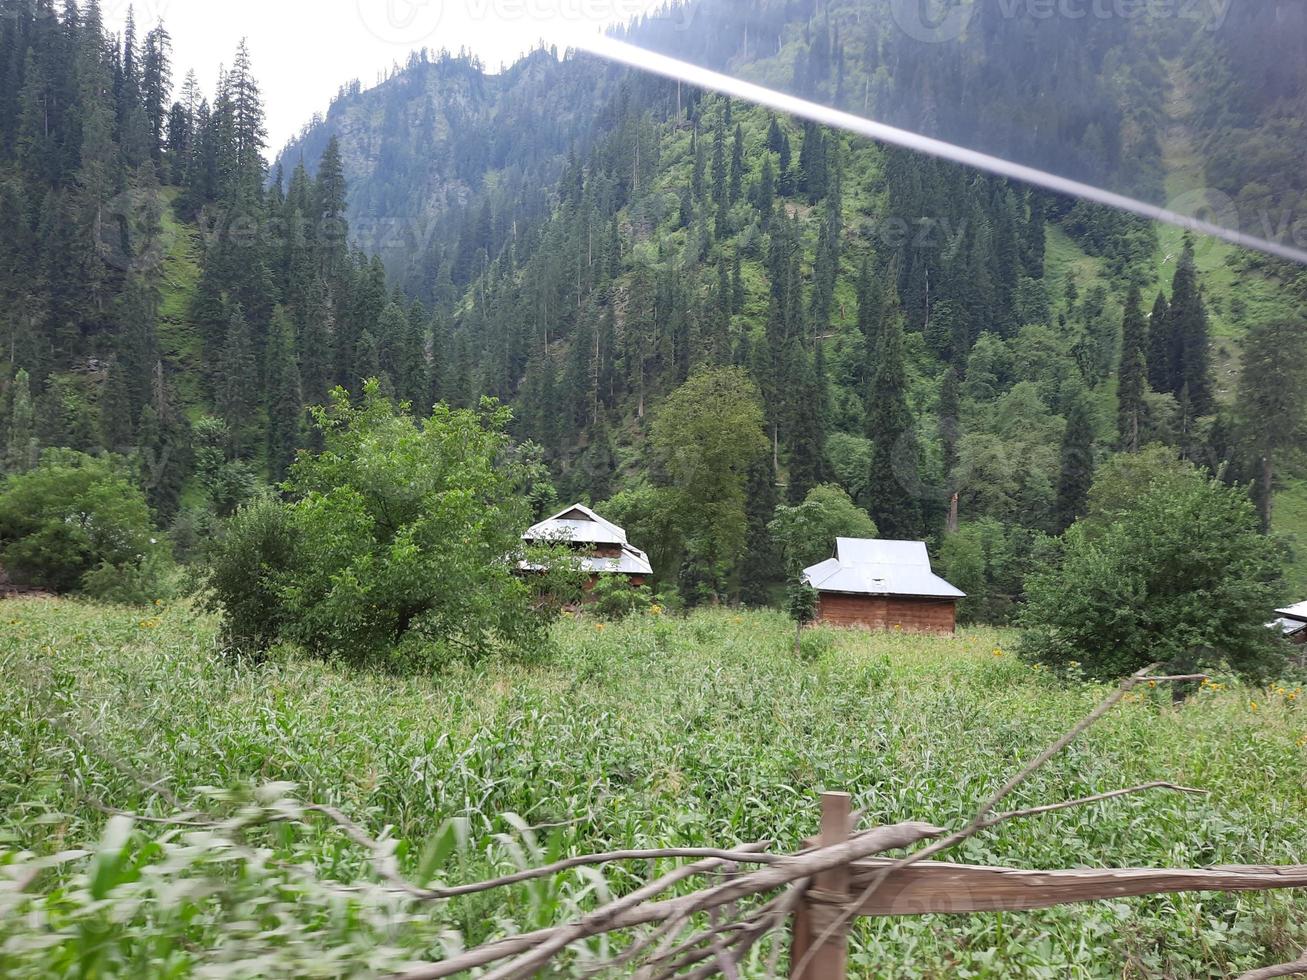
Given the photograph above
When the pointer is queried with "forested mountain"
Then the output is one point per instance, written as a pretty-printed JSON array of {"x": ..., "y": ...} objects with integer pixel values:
[
  {"x": 956, "y": 352},
  {"x": 157, "y": 297}
]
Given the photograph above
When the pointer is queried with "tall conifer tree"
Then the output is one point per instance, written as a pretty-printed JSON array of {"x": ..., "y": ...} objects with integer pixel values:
[{"x": 1132, "y": 382}]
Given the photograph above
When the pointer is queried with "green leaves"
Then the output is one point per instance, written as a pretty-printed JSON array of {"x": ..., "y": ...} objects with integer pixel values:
[
  {"x": 70, "y": 515},
  {"x": 400, "y": 544},
  {"x": 806, "y": 534},
  {"x": 440, "y": 848},
  {"x": 1181, "y": 575}
]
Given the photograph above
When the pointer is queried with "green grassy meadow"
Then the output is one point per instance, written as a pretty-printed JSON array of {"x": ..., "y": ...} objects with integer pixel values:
[{"x": 656, "y": 731}]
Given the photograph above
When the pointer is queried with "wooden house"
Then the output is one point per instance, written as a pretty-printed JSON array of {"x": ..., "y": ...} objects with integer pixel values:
[
  {"x": 601, "y": 544},
  {"x": 1292, "y": 622},
  {"x": 883, "y": 585}
]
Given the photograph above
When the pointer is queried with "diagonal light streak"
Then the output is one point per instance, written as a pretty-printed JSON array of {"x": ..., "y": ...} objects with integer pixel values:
[{"x": 636, "y": 57}]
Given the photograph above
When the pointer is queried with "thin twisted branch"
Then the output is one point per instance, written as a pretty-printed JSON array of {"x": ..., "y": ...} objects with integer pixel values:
[{"x": 982, "y": 820}]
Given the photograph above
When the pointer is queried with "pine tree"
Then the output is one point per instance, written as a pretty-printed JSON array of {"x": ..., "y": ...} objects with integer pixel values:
[
  {"x": 1077, "y": 472},
  {"x": 1131, "y": 382},
  {"x": 1159, "y": 347},
  {"x": 237, "y": 397},
  {"x": 117, "y": 428},
  {"x": 316, "y": 346},
  {"x": 1033, "y": 239},
  {"x": 21, "y": 448},
  {"x": 806, "y": 438},
  {"x": 894, "y": 478},
  {"x": 163, "y": 441},
  {"x": 1272, "y": 406},
  {"x": 757, "y": 568},
  {"x": 285, "y": 399},
  {"x": 870, "y": 311},
  {"x": 156, "y": 85},
  {"x": 331, "y": 231},
  {"x": 767, "y": 191},
  {"x": 737, "y": 167},
  {"x": 813, "y": 172},
  {"x": 1190, "y": 358},
  {"x": 949, "y": 417},
  {"x": 248, "y": 130},
  {"x": 719, "y": 174}
]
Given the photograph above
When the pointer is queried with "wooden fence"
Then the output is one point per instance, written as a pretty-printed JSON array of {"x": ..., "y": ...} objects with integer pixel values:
[
  {"x": 838, "y": 877},
  {"x": 819, "y": 948}
]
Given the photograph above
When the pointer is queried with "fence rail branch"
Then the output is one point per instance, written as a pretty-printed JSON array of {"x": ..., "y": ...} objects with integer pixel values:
[{"x": 932, "y": 886}]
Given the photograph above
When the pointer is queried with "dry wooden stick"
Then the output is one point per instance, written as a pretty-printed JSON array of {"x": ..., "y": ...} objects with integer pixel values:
[
  {"x": 770, "y": 878},
  {"x": 979, "y": 821},
  {"x": 528, "y": 963},
  {"x": 746, "y": 940},
  {"x": 1085, "y": 800},
  {"x": 674, "y": 956},
  {"x": 386, "y": 868},
  {"x": 1297, "y": 967}
]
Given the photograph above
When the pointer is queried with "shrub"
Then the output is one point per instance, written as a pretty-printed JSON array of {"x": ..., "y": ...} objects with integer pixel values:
[
  {"x": 616, "y": 597},
  {"x": 74, "y": 515},
  {"x": 250, "y": 565},
  {"x": 152, "y": 579},
  {"x": 400, "y": 537},
  {"x": 815, "y": 644},
  {"x": 1183, "y": 577}
]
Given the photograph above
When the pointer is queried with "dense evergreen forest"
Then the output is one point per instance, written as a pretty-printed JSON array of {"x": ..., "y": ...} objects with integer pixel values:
[{"x": 957, "y": 353}]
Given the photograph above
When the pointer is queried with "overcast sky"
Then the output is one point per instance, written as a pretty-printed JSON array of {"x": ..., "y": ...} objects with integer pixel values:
[{"x": 305, "y": 50}]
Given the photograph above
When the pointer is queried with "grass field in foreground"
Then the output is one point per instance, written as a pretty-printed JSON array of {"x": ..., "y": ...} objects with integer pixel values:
[{"x": 658, "y": 731}]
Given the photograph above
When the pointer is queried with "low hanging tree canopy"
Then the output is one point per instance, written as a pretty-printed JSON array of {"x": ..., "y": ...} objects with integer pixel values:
[
  {"x": 400, "y": 540},
  {"x": 1181, "y": 576}
]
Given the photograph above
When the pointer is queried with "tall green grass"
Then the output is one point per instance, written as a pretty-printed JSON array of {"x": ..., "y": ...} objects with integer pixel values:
[{"x": 652, "y": 732}]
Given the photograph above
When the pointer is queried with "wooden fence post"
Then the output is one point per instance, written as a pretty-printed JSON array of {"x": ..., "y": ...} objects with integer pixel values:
[{"x": 820, "y": 906}]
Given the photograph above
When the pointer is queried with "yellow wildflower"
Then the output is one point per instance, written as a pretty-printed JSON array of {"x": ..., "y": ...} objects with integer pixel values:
[
  {"x": 149, "y": 624},
  {"x": 599, "y": 627},
  {"x": 998, "y": 651},
  {"x": 1253, "y": 705}
]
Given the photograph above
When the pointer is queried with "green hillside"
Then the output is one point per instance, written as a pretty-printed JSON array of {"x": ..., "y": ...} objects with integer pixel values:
[{"x": 909, "y": 329}]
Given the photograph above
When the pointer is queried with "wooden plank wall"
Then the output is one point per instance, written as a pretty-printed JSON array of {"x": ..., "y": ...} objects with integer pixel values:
[{"x": 876, "y": 612}]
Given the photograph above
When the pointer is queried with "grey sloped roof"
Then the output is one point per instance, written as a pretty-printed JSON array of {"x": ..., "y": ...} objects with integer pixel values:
[
  {"x": 579, "y": 525},
  {"x": 1289, "y": 627},
  {"x": 1298, "y": 612},
  {"x": 633, "y": 561},
  {"x": 888, "y": 568}
]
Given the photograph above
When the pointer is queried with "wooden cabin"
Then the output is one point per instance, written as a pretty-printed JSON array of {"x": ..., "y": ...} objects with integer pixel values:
[
  {"x": 883, "y": 585},
  {"x": 601, "y": 543}
]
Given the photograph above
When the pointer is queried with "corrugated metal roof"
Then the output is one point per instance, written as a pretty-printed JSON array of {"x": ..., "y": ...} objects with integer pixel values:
[
  {"x": 633, "y": 561},
  {"x": 871, "y": 567},
  {"x": 578, "y": 524},
  {"x": 1298, "y": 612},
  {"x": 1289, "y": 627}
]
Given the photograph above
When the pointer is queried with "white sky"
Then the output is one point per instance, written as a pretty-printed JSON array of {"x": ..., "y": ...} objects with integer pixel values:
[{"x": 305, "y": 50}]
